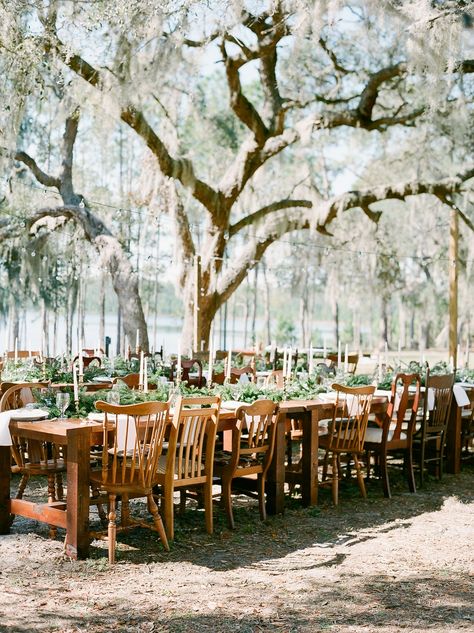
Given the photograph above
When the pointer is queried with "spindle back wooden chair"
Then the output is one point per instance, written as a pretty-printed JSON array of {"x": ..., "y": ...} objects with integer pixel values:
[
  {"x": 131, "y": 380},
  {"x": 33, "y": 457},
  {"x": 399, "y": 426},
  {"x": 431, "y": 438},
  {"x": 88, "y": 360},
  {"x": 253, "y": 441},
  {"x": 132, "y": 445},
  {"x": 188, "y": 463},
  {"x": 345, "y": 433},
  {"x": 276, "y": 378},
  {"x": 352, "y": 361},
  {"x": 237, "y": 372},
  {"x": 187, "y": 367}
]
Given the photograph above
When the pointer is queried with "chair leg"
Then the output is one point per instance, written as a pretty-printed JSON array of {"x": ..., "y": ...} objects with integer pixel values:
[
  {"x": 384, "y": 474},
  {"x": 125, "y": 511},
  {"x": 112, "y": 531},
  {"x": 360, "y": 477},
  {"x": 226, "y": 493},
  {"x": 182, "y": 502},
  {"x": 157, "y": 520},
  {"x": 335, "y": 480},
  {"x": 422, "y": 463},
  {"x": 59, "y": 487},
  {"x": 261, "y": 497},
  {"x": 22, "y": 486},
  {"x": 325, "y": 466},
  {"x": 53, "y": 530},
  {"x": 410, "y": 470},
  {"x": 208, "y": 506},
  {"x": 168, "y": 512}
]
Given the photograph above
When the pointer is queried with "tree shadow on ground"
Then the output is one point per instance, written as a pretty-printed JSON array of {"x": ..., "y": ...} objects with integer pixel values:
[{"x": 252, "y": 542}]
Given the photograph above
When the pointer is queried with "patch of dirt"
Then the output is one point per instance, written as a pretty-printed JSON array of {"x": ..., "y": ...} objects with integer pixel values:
[{"x": 368, "y": 565}]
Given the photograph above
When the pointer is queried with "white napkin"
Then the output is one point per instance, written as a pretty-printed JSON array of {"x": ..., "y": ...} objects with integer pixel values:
[
  {"x": 431, "y": 399},
  {"x": 462, "y": 399},
  {"x": 125, "y": 442},
  {"x": 5, "y": 437}
]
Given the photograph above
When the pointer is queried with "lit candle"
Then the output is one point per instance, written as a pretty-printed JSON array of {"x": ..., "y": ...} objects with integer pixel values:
[
  {"x": 339, "y": 354},
  {"x": 145, "y": 374},
  {"x": 229, "y": 364},
  {"x": 284, "y": 362},
  {"x": 137, "y": 346},
  {"x": 346, "y": 358},
  {"x": 310, "y": 360},
  {"x": 75, "y": 383},
  {"x": 178, "y": 365},
  {"x": 289, "y": 361},
  {"x": 451, "y": 363},
  {"x": 29, "y": 354}
]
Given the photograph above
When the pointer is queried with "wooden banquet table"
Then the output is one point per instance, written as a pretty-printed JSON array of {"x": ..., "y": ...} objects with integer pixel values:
[{"x": 79, "y": 436}]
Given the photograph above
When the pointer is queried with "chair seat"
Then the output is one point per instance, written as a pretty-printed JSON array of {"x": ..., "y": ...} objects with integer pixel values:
[
  {"x": 223, "y": 458},
  {"x": 162, "y": 468},
  {"x": 41, "y": 468},
  {"x": 374, "y": 436},
  {"x": 133, "y": 486}
]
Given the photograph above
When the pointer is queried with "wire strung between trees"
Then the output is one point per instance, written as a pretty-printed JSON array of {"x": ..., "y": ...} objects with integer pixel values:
[{"x": 327, "y": 249}]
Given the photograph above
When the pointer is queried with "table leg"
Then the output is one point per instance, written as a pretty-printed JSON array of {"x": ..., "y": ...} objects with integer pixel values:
[
  {"x": 5, "y": 475},
  {"x": 275, "y": 486},
  {"x": 309, "y": 449},
  {"x": 78, "y": 474},
  {"x": 453, "y": 439}
]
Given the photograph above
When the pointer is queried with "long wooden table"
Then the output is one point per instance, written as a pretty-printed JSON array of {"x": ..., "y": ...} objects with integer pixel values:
[{"x": 78, "y": 437}]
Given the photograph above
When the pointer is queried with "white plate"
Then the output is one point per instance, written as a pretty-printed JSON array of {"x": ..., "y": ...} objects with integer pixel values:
[
  {"x": 102, "y": 379},
  {"x": 29, "y": 415}
]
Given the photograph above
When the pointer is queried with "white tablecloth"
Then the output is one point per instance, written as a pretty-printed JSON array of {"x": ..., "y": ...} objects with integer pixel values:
[{"x": 5, "y": 438}]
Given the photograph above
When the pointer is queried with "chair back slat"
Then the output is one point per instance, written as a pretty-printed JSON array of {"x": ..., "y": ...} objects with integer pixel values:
[
  {"x": 192, "y": 437},
  {"x": 347, "y": 428},
  {"x": 132, "y": 441},
  {"x": 256, "y": 437},
  {"x": 403, "y": 402},
  {"x": 438, "y": 395}
]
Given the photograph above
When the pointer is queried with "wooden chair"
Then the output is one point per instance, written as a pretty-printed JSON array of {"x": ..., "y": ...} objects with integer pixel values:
[
  {"x": 276, "y": 378},
  {"x": 352, "y": 361},
  {"x": 22, "y": 353},
  {"x": 32, "y": 457},
  {"x": 187, "y": 367},
  {"x": 132, "y": 445},
  {"x": 131, "y": 380},
  {"x": 87, "y": 360},
  {"x": 253, "y": 442},
  {"x": 236, "y": 373},
  {"x": 188, "y": 463},
  {"x": 430, "y": 440},
  {"x": 399, "y": 426},
  {"x": 345, "y": 433}
]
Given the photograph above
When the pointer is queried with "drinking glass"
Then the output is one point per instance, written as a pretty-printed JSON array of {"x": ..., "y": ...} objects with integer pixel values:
[{"x": 62, "y": 402}]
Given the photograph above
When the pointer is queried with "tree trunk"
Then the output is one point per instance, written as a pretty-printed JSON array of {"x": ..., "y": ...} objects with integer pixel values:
[
  {"x": 384, "y": 321},
  {"x": 266, "y": 306},
  {"x": 254, "y": 309},
  {"x": 102, "y": 312},
  {"x": 335, "y": 308}
]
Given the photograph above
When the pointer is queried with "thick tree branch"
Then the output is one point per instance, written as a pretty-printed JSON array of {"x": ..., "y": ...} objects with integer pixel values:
[
  {"x": 66, "y": 186},
  {"x": 255, "y": 217},
  {"x": 241, "y": 106},
  {"x": 41, "y": 176},
  {"x": 180, "y": 169}
]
